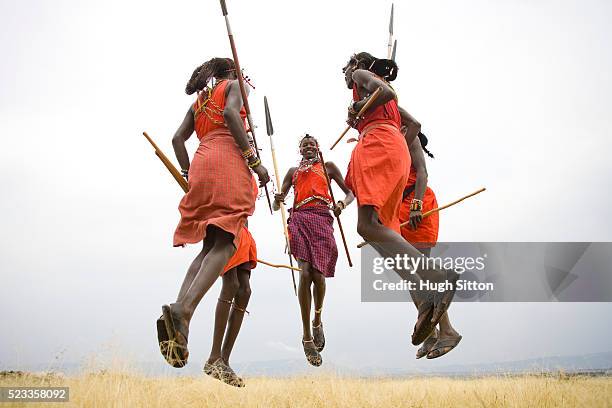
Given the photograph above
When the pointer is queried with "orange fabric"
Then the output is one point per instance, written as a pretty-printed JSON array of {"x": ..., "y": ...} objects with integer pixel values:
[
  {"x": 214, "y": 109},
  {"x": 378, "y": 170},
  {"x": 426, "y": 234},
  {"x": 246, "y": 252},
  {"x": 220, "y": 182},
  {"x": 308, "y": 183},
  {"x": 388, "y": 112}
]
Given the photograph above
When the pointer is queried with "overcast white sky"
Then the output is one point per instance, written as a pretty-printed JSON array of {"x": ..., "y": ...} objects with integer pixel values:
[{"x": 514, "y": 95}]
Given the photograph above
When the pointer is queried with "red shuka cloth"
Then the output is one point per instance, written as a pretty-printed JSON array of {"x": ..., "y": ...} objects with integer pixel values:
[
  {"x": 380, "y": 163},
  {"x": 308, "y": 183},
  {"x": 220, "y": 182},
  {"x": 426, "y": 234},
  {"x": 246, "y": 252}
]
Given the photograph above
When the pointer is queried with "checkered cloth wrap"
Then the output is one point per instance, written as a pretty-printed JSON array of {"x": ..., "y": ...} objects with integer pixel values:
[{"x": 311, "y": 234}]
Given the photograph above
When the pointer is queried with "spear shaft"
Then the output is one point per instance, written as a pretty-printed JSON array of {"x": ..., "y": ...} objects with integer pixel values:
[
  {"x": 331, "y": 193},
  {"x": 270, "y": 131},
  {"x": 245, "y": 100}
]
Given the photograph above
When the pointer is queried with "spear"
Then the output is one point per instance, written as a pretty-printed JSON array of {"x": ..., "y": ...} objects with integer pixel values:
[
  {"x": 245, "y": 100},
  {"x": 390, "y": 42},
  {"x": 270, "y": 131},
  {"x": 435, "y": 210},
  {"x": 331, "y": 193},
  {"x": 183, "y": 183},
  {"x": 361, "y": 112},
  {"x": 394, "y": 50}
]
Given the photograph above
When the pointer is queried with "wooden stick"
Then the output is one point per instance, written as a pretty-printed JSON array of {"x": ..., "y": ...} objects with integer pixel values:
[
  {"x": 279, "y": 265},
  {"x": 435, "y": 210},
  {"x": 331, "y": 193},
  {"x": 361, "y": 112},
  {"x": 175, "y": 173}
]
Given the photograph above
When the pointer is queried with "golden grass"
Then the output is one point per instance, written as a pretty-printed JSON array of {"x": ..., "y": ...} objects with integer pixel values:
[{"x": 117, "y": 389}]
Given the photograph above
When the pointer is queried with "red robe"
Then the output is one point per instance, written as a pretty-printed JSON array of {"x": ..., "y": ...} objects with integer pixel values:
[
  {"x": 380, "y": 163},
  {"x": 220, "y": 182}
]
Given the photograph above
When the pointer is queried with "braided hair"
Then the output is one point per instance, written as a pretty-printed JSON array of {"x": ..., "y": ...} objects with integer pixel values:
[
  {"x": 385, "y": 68},
  {"x": 213, "y": 68},
  {"x": 307, "y": 136},
  {"x": 423, "y": 140}
]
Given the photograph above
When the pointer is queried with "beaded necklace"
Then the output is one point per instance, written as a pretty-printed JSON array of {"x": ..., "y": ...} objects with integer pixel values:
[{"x": 206, "y": 108}]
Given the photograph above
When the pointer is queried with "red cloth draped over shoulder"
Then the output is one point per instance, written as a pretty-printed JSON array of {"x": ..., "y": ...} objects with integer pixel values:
[
  {"x": 220, "y": 182},
  {"x": 310, "y": 182},
  {"x": 380, "y": 163},
  {"x": 426, "y": 234},
  {"x": 246, "y": 252}
]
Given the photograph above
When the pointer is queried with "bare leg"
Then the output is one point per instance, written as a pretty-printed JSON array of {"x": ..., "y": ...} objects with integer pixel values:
[
  {"x": 193, "y": 270},
  {"x": 212, "y": 265},
  {"x": 319, "y": 294},
  {"x": 228, "y": 291},
  {"x": 305, "y": 297},
  {"x": 235, "y": 319},
  {"x": 370, "y": 228}
]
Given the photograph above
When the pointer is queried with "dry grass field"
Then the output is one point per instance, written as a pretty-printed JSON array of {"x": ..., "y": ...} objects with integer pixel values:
[{"x": 117, "y": 389}]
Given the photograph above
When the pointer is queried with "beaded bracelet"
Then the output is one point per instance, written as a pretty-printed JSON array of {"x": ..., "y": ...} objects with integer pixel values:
[
  {"x": 254, "y": 164},
  {"x": 185, "y": 173},
  {"x": 247, "y": 154},
  {"x": 416, "y": 205}
]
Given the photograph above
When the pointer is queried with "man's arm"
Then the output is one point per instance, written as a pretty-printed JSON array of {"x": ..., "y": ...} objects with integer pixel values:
[
  {"x": 334, "y": 174},
  {"x": 370, "y": 82},
  {"x": 418, "y": 162},
  {"x": 284, "y": 190},
  {"x": 410, "y": 126},
  {"x": 183, "y": 133}
]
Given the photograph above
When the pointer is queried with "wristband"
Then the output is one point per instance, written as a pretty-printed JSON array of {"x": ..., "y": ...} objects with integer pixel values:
[{"x": 416, "y": 205}]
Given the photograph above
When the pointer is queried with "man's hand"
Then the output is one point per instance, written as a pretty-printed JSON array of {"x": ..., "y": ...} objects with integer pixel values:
[
  {"x": 278, "y": 199},
  {"x": 415, "y": 219},
  {"x": 340, "y": 205},
  {"x": 262, "y": 175}
]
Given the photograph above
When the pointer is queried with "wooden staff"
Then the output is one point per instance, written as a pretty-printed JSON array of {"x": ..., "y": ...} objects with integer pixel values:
[
  {"x": 435, "y": 210},
  {"x": 245, "y": 99},
  {"x": 361, "y": 112},
  {"x": 293, "y": 268},
  {"x": 175, "y": 173},
  {"x": 270, "y": 131},
  {"x": 331, "y": 193}
]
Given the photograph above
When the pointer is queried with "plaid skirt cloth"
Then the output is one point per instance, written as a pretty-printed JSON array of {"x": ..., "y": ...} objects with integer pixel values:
[{"x": 311, "y": 236}]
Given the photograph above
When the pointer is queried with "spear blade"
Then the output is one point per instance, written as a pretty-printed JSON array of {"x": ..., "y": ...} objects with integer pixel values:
[
  {"x": 394, "y": 50},
  {"x": 390, "y": 42},
  {"x": 391, "y": 21},
  {"x": 269, "y": 127}
]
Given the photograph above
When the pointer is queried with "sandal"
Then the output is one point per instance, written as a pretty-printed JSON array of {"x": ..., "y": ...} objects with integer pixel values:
[
  {"x": 318, "y": 334},
  {"x": 432, "y": 310},
  {"x": 443, "y": 346},
  {"x": 424, "y": 327},
  {"x": 223, "y": 372},
  {"x": 162, "y": 336},
  {"x": 176, "y": 347},
  {"x": 312, "y": 355},
  {"x": 427, "y": 345}
]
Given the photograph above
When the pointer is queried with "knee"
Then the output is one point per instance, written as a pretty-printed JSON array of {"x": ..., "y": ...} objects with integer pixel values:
[
  {"x": 244, "y": 291},
  {"x": 364, "y": 228},
  {"x": 305, "y": 275},
  {"x": 318, "y": 278},
  {"x": 230, "y": 284}
]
